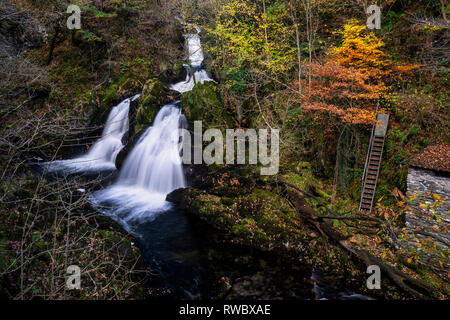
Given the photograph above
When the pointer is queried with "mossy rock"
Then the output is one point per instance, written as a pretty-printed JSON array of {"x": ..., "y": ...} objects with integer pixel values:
[
  {"x": 204, "y": 103},
  {"x": 261, "y": 219},
  {"x": 304, "y": 180},
  {"x": 172, "y": 72},
  {"x": 273, "y": 215},
  {"x": 206, "y": 207},
  {"x": 154, "y": 95}
]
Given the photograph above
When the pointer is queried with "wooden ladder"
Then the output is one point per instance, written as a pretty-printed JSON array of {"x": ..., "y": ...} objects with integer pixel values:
[{"x": 373, "y": 163}]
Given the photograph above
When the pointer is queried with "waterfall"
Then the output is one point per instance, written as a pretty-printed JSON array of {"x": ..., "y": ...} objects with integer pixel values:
[
  {"x": 155, "y": 162},
  {"x": 101, "y": 156},
  {"x": 154, "y": 167},
  {"x": 152, "y": 170},
  {"x": 196, "y": 58}
]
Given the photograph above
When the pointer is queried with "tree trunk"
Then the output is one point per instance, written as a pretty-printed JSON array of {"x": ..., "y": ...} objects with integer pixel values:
[{"x": 52, "y": 45}]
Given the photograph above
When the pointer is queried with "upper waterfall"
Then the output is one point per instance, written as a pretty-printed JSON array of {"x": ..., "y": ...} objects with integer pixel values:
[{"x": 196, "y": 57}]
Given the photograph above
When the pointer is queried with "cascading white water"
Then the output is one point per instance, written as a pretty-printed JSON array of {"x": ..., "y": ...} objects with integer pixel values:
[
  {"x": 154, "y": 167},
  {"x": 102, "y": 154},
  {"x": 155, "y": 162},
  {"x": 196, "y": 58},
  {"x": 152, "y": 170}
]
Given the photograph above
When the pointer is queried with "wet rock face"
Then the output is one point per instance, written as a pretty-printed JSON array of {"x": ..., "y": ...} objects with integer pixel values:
[
  {"x": 431, "y": 191},
  {"x": 18, "y": 31}
]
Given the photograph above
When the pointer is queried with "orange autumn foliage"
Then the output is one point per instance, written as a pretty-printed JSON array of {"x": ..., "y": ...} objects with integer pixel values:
[{"x": 352, "y": 79}]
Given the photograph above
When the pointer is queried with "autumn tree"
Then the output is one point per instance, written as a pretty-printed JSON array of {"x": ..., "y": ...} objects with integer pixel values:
[
  {"x": 354, "y": 77},
  {"x": 348, "y": 87}
]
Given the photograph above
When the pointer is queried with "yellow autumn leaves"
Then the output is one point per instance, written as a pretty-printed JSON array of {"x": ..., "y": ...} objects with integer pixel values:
[{"x": 255, "y": 38}]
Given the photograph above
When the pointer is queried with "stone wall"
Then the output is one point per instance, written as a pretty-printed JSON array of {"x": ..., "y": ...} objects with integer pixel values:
[{"x": 431, "y": 191}]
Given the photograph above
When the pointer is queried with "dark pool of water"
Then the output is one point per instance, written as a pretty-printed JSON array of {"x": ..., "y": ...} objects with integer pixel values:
[{"x": 194, "y": 261}]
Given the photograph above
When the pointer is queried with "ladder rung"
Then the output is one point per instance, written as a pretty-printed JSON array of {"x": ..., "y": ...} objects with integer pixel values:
[{"x": 372, "y": 169}]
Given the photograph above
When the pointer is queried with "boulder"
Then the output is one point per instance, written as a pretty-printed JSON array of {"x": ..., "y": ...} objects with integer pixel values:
[{"x": 205, "y": 103}]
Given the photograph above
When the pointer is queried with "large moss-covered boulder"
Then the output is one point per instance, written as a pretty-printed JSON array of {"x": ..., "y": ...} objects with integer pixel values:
[
  {"x": 205, "y": 103},
  {"x": 254, "y": 212},
  {"x": 261, "y": 218}
]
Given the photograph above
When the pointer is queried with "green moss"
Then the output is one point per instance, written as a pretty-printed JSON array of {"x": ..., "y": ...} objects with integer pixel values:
[
  {"x": 205, "y": 103},
  {"x": 247, "y": 229},
  {"x": 260, "y": 218},
  {"x": 303, "y": 180}
]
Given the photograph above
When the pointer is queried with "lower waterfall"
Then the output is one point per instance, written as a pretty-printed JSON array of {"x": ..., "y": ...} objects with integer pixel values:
[{"x": 152, "y": 170}]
